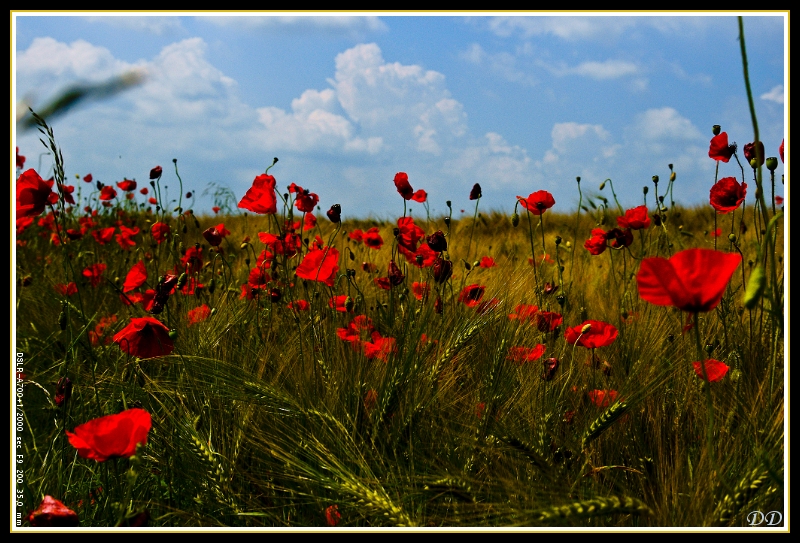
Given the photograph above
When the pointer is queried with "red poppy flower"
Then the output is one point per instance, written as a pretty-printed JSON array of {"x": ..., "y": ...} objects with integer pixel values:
[
  {"x": 108, "y": 193},
  {"x": 152, "y": 201},
  {"x": 719, "y": 148},
  {"x": 306, "y": 201},
  {"x": 340, "y": 303},
  {"x": 215, "y": 209},
  {"x": 332, "y": 515},
  {"x": 356, "y": 235},
  {"x": 66, "y": 191},
  {"x": 523, "y": 312},
  {"x": 635, "y": 218},
  {"x": 403, "y": 186},
  {"x": 410, "y": 234},
  {"x": 155, "y": 173},
  {"x": 212, "y": 236},
  {"x": 442, "y": 269},
  {"x": 471, "y": 295},
  {"x": 309, "y": 222},
  {"x": 112, "y": 436},
  {"x": 395, "y": 275},
  {"x": 537, "y": 202},
  {"x": 715, "y": 369},
  {"x": 335, "y": 214},
  {"x": 299, "y": 305},
  {"x": 715, "y": 233},
  {"x": 52, "y": 513},
  {"x": 548, "y": 321},
  {"x": 67, "y": 290},
  {"x": 620, "y": 237},
  {"x": 380, "y": 347},
  {"x": 135, "y": 278},
  {"x": 487, "y": 262},
  {"x": 144, "y": 337},
  {"x": 103, "y": 235},
  {"x": 592, "y": 334},
  {"x": 597, "y": 243},
  {"x": 125, "y": 237},
  {"x": 383, "y": 283},
  {"x": 437, "y": 241},
  {"x": 727, "y": 194},
  {"x": 750, "y": 152},
  {"x": 23, "y": 223},
  {"x": 193, "y": 259},
  {"x": 420, "y": 196},
  {"x": 20, "y": 160},
  {"x": 144, "y": 190},
  {"x": 780, "y": 150},
  {"x": 475, "y": 193},
  {"x": 421, "y": 258},
  {"x": 373, "y": 239},
  {"x": 33, "y": 194},
  {"x": 692, "y": 280},
  {"x": 603, "y": 398},
  {"x": 199, "y": 314},
  {"x": 260, "y": 198},
  {"x": 127, "y": 185},
  {"x": 320, "y": 265},
  {"x": 88, "y": 178},
  {"x": 94, "y": 273},
  {"x": 160, "y": 231},
  {"x": 420, "y": 290},
  {"x": 520, "y": 355}
]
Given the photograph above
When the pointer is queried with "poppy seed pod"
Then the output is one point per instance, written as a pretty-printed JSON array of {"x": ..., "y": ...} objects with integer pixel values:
[
  {"x": 772, "y": 163},
  {"x": 716, "y": 129}
]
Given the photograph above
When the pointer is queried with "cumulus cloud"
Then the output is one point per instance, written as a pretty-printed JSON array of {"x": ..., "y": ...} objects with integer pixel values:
[
  {"x": 49, "y": 60},
  {"x": 774, "y": 95},
  {"x": 665, "y": 124}
]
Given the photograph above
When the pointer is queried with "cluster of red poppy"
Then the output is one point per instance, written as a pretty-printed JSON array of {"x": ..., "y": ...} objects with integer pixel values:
[{"x": 364, "y": 337}]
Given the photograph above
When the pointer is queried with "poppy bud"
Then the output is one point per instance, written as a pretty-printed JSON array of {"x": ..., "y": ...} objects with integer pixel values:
[
  {"x": 335, "y": 213},
  {"x": 467, "y": 265},
  {"x": 515, "y": 220},
  {"x": 182, "y": 280},
  {"x": 437, "y": 242},
  {"x": 603, "y": 185},
  {"x": 672, "y": 176},
  {"x": 732, "y": 238},
  {"x": 558, "y": 240},
  {"x": 348, "y": 304},
  {"x": 716, "y": 129},
  {"x": 449, "y": 204},
  {"x": 213, "y": 311},
  {"x": 751, "y": 155},
  {"x": 755, "y": 287},
  {"x": 447, "y": 221},
  {"x": 173, "y": 335},
  {"x": 475, "y": 193},
  {"x": 655, "y": 180},
  {"x": 772, "y": 163},
  {"x": 396, "y": 232},
  {"x": 419, "y": 260},
  {"x": 212, "y": 286},
  {"x": 586, "y": 328},
  {"x": 645, "y": 190}
]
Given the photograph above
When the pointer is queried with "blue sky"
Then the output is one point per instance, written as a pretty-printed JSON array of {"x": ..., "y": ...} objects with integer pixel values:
[{"x": 518, "y": 102}]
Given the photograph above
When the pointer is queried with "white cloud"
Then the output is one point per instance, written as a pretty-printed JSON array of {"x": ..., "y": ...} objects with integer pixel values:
[
  {"x": 774, "y": 95},
  {"x": 664, "y": 124},
  {"x": 47, "y": 60},
  {"x": 565, "y": 27},
  {"x": 610, "y": 69}
]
